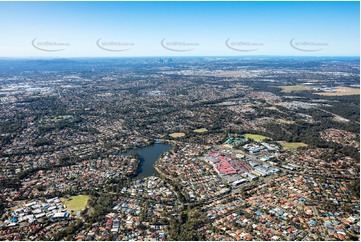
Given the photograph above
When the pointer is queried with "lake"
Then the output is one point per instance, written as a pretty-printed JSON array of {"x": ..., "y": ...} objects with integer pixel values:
[{"x": 148, "y": 156}]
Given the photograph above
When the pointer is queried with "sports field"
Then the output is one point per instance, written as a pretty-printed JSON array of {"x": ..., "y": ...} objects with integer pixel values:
[
  {"x": 177, "y": 135},
  {"x": 292, "y": 145},
  {"x": 76, "y": 203},
  {"x": 256, "y": 137},
  {"x": 202, "y": 130}
]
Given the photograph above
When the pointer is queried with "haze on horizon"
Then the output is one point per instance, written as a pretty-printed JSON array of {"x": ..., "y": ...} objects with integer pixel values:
[{"x": 131, "y": 29}]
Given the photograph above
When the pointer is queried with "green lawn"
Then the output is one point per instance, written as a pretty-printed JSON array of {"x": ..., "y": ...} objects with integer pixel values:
[
  {"x": 292, "y": 145},
  {"x": 76, "y": 203},
  {"x": 256, "y": 137},
  {"x": 177, "y": 135},
  {"x": 202, "y": 130}
]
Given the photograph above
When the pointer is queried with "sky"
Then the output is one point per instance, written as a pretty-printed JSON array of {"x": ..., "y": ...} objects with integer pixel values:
[{"x": 117, "y": 29}]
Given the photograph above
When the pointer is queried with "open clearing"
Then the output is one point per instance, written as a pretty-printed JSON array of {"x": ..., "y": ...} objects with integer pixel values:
[
  {"x": 284, "y": 121},
  {"x": 278, "y": 120},
  {"x": 227, "y": 73},
  {"x": 202, "y": 130},
  {"x": 292, "y": 145},
  {"x": 227, "y": 146},
  {"x": 341, "y": 91},
  {"x": 256, "y": 137},
  {"x": 295, "y": 88},
  {"x": 76, "y": 203},
  {"x": 177, "y": 135}
]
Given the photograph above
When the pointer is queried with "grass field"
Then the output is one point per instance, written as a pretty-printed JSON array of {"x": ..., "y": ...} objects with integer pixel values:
[
  {"x": 292, "y": 145},
  {"x": 177, "y": 135},
  {"x": 202, "y": 130},
  {"x": 76, "y": 203},
  {"x": 295, "y": 88},
  {"x": 341, "y": 91},
  {"x": 256, "y": 137}
]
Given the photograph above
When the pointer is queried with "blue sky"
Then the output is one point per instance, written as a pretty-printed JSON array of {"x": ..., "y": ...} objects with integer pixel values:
[{"x": 200, "y": 28}]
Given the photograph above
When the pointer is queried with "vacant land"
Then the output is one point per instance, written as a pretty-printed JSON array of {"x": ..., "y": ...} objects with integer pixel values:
[
  {"x": 226, "y": 146},
  {"x": 227, "y": 73},
  {"x": 341, "y": 91},
  {"x": 295, "y": 88},
  {"x": 292, "y": 145},
  {"x": 256, "y": 137},
  {"x": 284, "y": 121},
  {"x": 76, "y": 203},
  {"x": 202, "y": 130},
  {"x": 177, "y": 135},
  {"x": 277, "y": 120}
]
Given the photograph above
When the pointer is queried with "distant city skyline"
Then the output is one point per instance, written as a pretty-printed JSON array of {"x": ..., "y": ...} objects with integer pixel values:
[{"x": 141, "y": 29}]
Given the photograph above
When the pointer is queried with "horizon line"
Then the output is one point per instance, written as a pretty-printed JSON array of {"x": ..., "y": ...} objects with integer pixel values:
[{"x": 165, "y": 56}]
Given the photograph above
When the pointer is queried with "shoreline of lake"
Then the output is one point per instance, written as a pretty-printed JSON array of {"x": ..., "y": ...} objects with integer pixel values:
[{"x": 148, "y": 156}]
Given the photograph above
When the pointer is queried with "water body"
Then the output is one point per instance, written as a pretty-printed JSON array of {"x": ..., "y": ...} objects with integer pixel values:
[{"x": 148, "y": 156}]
